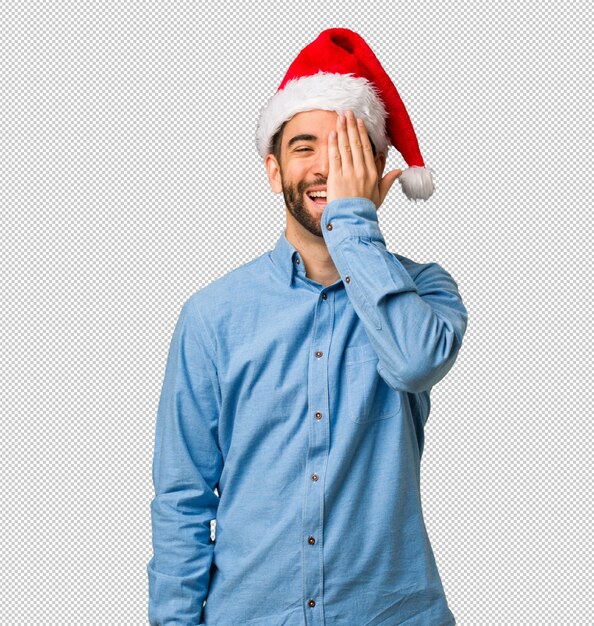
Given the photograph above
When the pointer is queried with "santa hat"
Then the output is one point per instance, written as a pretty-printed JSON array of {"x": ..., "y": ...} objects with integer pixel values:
[{"x": 338, "y": 71}]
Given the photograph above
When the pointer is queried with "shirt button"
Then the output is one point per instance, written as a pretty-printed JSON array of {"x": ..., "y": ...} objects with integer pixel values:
[
  {"x": 324, "y": 296},
  {"x": 348, "y": 279},
  {"x": 314, "y": 477},
  {"x": 312, "y": 602},
  {"x": 311, "y": 540},
  {"x": 329, "y": 226},
  {"x": 318, "y": 415},
  {"x": 319, "y": 354}
]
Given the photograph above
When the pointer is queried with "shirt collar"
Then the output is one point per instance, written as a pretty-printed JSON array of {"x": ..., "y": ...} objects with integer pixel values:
[{"x": 286, "y": 258}]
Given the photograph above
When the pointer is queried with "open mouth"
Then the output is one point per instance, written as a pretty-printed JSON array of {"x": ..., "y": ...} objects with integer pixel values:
[{"x": 317, "y": 200}]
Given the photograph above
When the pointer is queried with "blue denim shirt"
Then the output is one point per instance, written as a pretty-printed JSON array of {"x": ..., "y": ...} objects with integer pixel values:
[{"x": 293, "y": 414}]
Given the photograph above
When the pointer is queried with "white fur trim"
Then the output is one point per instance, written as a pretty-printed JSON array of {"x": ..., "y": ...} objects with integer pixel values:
[
  {"x": 330, "y": 92},
  {"x": 417, "y": 182}
]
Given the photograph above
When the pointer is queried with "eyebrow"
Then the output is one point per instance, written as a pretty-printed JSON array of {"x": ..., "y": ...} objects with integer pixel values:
[{"x": 303, "y": 137}]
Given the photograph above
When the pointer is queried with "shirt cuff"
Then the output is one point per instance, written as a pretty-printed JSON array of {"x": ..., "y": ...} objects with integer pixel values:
[{"x": 350, "y": 217}]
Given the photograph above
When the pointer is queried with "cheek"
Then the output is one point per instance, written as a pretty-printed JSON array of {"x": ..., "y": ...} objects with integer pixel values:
[{"x": 296, "y": 174}]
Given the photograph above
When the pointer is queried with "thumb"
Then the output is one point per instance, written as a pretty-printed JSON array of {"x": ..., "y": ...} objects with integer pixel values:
[{"x": 386, "y": 182}]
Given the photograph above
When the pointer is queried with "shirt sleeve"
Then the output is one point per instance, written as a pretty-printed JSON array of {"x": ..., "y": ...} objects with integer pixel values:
[
  {"x": 415, "y": 326},
  {"x": 187, "y": 465}
]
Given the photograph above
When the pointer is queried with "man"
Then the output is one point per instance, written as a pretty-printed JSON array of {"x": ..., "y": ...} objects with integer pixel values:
[{"x": 297, "y": 386}]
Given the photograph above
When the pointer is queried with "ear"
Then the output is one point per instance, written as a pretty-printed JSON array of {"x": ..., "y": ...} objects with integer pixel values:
[{"x": 273, "y": 172}]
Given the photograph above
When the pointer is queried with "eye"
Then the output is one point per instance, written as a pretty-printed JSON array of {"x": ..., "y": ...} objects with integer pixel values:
[{"x": 302, "y": 149}]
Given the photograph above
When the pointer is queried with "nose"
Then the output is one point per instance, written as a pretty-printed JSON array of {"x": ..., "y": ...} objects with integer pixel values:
[{"x": 321, "y": 166}]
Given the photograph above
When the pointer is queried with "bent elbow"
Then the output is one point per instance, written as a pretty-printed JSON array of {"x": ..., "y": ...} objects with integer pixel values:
[
  {"x": 424, "y": 370},
  {"x": 433, "y": 367}
]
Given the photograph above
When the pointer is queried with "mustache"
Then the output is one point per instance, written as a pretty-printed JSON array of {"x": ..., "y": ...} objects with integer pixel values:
[{"x": 316, "y": 183}]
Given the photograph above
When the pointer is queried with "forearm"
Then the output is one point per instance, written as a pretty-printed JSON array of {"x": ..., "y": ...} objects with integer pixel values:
[
  {"x": 179, "y": 570},
  {"x": 187, "y": 465},
  {"x": 415, "y": 326}
]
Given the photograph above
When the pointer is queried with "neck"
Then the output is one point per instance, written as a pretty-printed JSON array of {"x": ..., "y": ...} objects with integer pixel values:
[{"x": 318, "y": 263}]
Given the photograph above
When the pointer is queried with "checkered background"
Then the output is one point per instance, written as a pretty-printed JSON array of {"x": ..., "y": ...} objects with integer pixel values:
[{"x": 129, "y": 179}]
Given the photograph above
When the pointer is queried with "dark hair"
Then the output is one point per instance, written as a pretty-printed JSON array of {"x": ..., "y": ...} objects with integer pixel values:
[{"x": 277, "y": 141}]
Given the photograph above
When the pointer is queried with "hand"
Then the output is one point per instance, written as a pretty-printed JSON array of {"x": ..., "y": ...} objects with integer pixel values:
[{"x": 352, "y": 168}]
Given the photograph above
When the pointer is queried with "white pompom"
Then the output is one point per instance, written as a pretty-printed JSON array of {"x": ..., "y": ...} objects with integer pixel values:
[{"x": 417, "y": 182}]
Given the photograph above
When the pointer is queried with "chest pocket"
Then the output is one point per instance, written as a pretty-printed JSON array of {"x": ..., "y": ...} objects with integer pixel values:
[{"x": 370, "y": 398}]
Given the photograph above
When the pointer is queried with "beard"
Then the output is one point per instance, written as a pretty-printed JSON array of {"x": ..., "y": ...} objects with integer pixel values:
[{"x": 296, "y": 203}]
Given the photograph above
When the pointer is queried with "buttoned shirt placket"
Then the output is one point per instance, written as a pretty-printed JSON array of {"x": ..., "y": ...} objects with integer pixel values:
[{"x": 317, "y": 458}]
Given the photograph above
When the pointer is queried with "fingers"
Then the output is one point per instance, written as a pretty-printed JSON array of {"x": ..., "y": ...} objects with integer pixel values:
[
  {"x": 356, "y": 153},
  {"x": 367, "y": 149},
  {"x": 356, "y": 145},
  {"x": 334, "y": 161},
  {"x": 344, "y": 145},
  {"x": 349, "y": 151}
]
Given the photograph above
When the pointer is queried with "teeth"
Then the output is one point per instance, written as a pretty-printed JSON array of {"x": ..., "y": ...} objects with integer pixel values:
[{"x": 317, "y": 194}]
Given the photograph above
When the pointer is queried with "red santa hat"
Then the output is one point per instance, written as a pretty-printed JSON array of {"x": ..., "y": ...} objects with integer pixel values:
[{"x": 338, "y": 71}]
